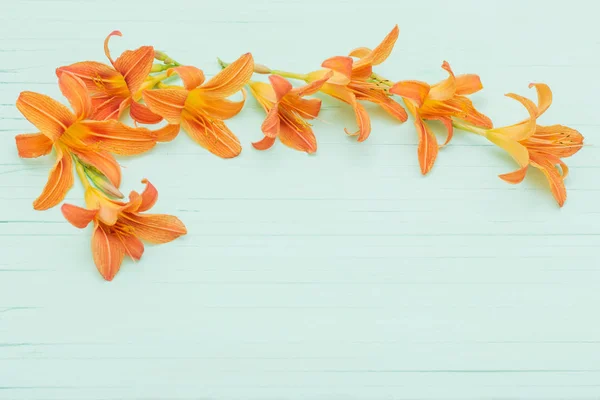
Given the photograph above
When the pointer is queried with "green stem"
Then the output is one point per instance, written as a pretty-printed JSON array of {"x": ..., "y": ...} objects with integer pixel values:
[
  {"x": 261, "y": 69},
  {"x": 459, "y": 124}
]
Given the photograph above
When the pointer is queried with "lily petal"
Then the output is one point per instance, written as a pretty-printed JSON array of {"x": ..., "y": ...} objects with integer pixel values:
[
  {"x": 428, "y": 147},
  {"x": 512, "y": 147},
  {"x": 213, "y": 106},
  {"x": 60, "y": 180},
  {"x": 468, "y": 84},
  {"x": 77, "y": 216},
  {"x": 106, "y": 49},
  {"x": 524, "y": 129},
  {"x": 47, "y": 114},
  {"x": 382, "y": 51},
  {"x": 298, "y": 138},
  {"x": 281, "y": 86},
  {"x": 264, "y": 144},
  {"x": 231, "y": 79},
  {"x": 118, "y": 138},
  {"x": 32, "y": 145},
  {"x": 445, "y": 89},
  {"x": 213, "y": 135},
  {"x": 168, "y": 103},
  {"x": 360, "y": 52},
  {"x": 135, "y": 66},
  {"x": 515, "y": 176},
  {"x": 167, "y": 132},
  {"x": 314, "y": 86},
  {"x": 191, "y": 76},
  {"x": 149, "y": 196},
  {"x": 362, "y": 120},
  {"x": 98, "y": 77},
  {"x": 104, "y": 162},
  {"x": 339, "y": 64},
  {"x": 132, "y": 246},
  {"x": 555, "y": 179},
  {"x": 142, "y": 114},
  {"x": 155, "y": 228},
  {"x": 306, "y": 108},
  {"x": 416, "y": 91},
  {"x": 544, "y": 96},
  {"x": 108, "y": 252},
  {"x": 76, "y": 92},
  {"x": 271, "y": 124}
]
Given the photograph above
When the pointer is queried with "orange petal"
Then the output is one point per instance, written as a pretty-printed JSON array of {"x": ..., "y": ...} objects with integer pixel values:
[
  {"x": 512, "y": 147},
  {"x": 98, "y": 77},
  {"x": 142, "y": 114},
  {"x": 449, "y": 129},
  {"x": 32, "y": 145},
  {"x": 104, "y": 162},
  {"x": 271, "y": 124},
  {"x": 213, "y": 106},
  {"x": 232, "y": 79},
  {"x": 118, "y": 138},
  {"x": 191, "y": 76},
  {"x": 168, "y": 103},
  {"x": 416, "y": 91},
  {"x": 106, "y": 49},
  {"x": 135, "y": 66},
  {"x": 108, "y": 252},
  {"x": 76, "y": 92},
  {"x": 306, "y": 108},
  {"x": 515, "y": 176},
  {"x": 544, "y": 96},
  {"x": 382, "y": 51},
  {"x": 281, "y": 86},
  {"x": 468, "y": 84},
  {"x": 109, "y": 107},
  {"x": 360, "y": 52},
  {"x": 167, "y": 132},
  {"x": 339, "y": 64},
  {"x": 263, "y": 92},
  {"x": 155, "y": 228},
  {"x": 47, "y": 114},
  {"x": 460, "y": 107},
  {"x": 524, "y": 129},
  {"x": 428, "y": 146},
  {"x": 213, "y": 135},
  {"x": 393, "y": 108},
  {"x": 445, "y": 89},
  {"x": 362, "y": 120},
  {"x": 149, "y": 196},
  {"x": 558, "y": 140},
  {"x": 314, "y": 86},
  {"x": 132, "y": 246},
  {"x": 299, "y": 137},
  {"x": 59, "y": 182},
  {"x": 77, "y": 216},
  {"x": 555, "y": 179},
  {"x": 264, "y": 144}
]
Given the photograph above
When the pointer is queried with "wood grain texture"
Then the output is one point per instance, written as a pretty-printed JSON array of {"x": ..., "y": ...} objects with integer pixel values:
[{"x": 340, "y": 275}]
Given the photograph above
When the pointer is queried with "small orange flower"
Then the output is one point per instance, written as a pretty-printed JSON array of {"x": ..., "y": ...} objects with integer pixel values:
[
  {"x": 352, "y": 81},
  {"x": 287, "y": 111},
  {"x": 119, "y": 226},
  {"x": 444, "y": 102},
  {"x": 74, "y": 135},
  {"x": 113, "y": 88},
  {"x": 201, "y": 108},
  {"x": 539, "y": 146}
]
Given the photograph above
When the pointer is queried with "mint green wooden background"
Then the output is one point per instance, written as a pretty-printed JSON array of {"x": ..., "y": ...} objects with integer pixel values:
[{"x": 345, "y": 275}]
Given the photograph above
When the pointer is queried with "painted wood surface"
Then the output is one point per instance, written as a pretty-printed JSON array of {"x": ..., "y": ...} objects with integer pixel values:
[{"x": 341, "y": 275}]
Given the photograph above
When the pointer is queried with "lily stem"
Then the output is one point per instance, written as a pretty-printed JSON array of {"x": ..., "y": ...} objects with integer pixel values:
[
  {"x": 459, "y": 124},
  {"x": 261, "y": 69}
]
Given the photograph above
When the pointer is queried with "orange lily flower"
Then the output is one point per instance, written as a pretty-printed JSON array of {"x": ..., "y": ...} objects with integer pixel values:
[
  {"x": 287, "y": 112},
  {"x": 119, "y": 226},
  {"x": 72, "y": 134},
  {"x": 352, "y": 81},
  {"x": 444, "y": 102},
  {"x": 539, "y": 146},
  {"x": 201, "y": 108},
  {"x": 115, "y": 88}
]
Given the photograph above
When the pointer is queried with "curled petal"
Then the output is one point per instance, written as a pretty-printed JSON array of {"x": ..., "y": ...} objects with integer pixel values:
[
  {"x": 449, "y": 129},
  {"x": 75, "y": 90},
  {"x": 149, "y": 196},
  {"x": 299, "y": 138},
  {"x": 339, "y": 64},
  {"x": 270, "y": 126},
  {"x": 155, "y": 228},
  {"x": 107, "y": 251},
  {"x": 362, "y": 120},
  {"x": 191, "y": 76},
  {"x": 118, "y": 138},
  {"x": 446, "y": 89},
  {"x": 232, "y": 79},
  {"x": 60, "y": 180},
  {"x": 47, "y": 114},
  {"x": 544, "y": 96},
  {"x": 77, "y": 216},
  {"x": 416, "y": 91},
  {"x": 555, "y": 179},
  {"x": 468, "y": 84},
  {"x": 142, "y": 114},
  {"x": 512, "y": 147},
  {"x": 515, "y": 176},
  {"x": 382, "y": 51},
  {"x": 281, "y": 86},
  {"x": 213, "y": 135},
  {"x": 32, "y": 145},
  {"x": 168, "y": 103},
  {"x": 264, "y": 144},
  {"x": 135, "y": 66},
  {"x": 524, "y": 129},
  {"x": 428, "y": 147},
  {"x": 106, "y": 49},
  {"x": 167, "y": 132}
]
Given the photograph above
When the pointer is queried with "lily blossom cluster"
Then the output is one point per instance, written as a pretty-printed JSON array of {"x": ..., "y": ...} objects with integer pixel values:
[{"x": 86, "y": 137}]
